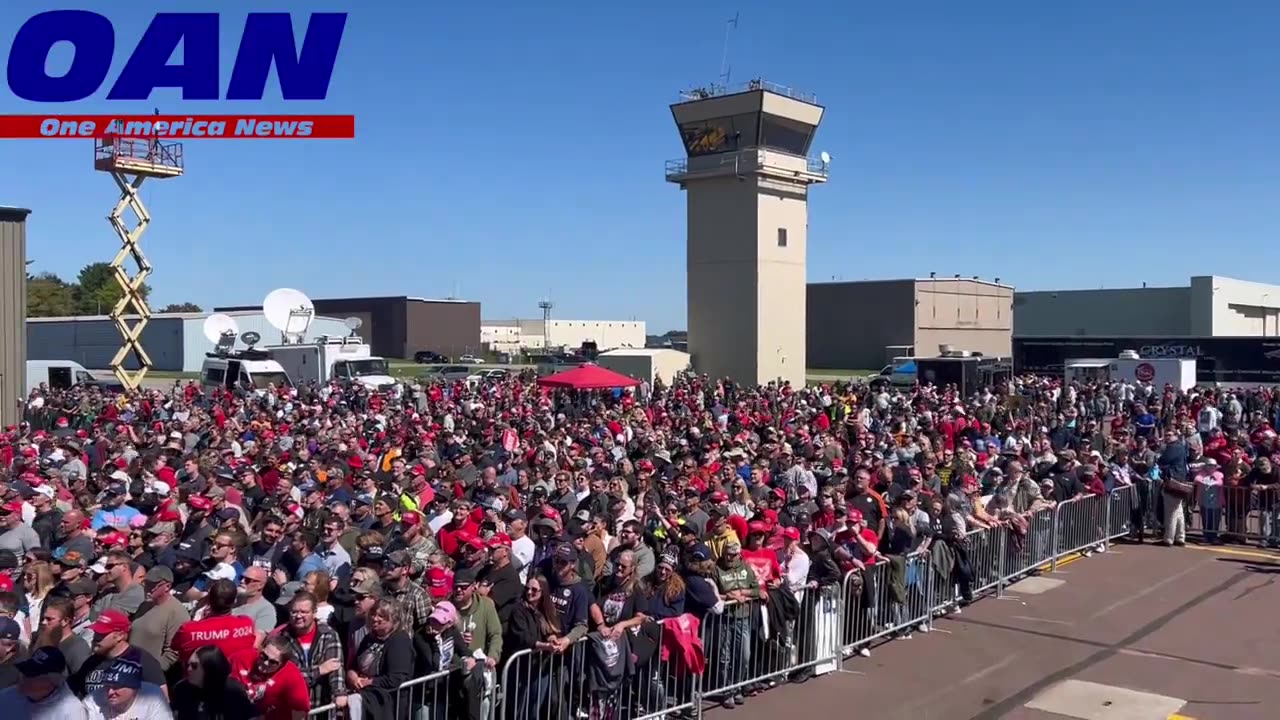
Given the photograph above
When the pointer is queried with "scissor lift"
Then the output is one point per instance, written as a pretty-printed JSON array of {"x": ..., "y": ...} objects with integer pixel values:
[{"x": 130, "y": 161}]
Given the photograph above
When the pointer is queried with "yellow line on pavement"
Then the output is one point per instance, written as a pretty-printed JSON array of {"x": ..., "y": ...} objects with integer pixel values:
[
  {"x": 1176, "y": 716},
  {"x": 1261, "y": 554},
  {"x": 1048, "y": 567}
]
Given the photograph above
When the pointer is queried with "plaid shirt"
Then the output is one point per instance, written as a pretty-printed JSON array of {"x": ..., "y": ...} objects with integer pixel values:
[
  {"x": 325, "y": 646},
  {"x": 417, "y": 605}
]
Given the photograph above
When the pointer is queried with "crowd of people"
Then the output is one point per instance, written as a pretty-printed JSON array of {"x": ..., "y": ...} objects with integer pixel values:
[{"x": 256, "y": 554}]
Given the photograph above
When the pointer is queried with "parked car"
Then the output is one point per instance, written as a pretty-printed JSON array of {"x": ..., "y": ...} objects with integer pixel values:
[
  {"x": 471, "y": 359},
  {"x": 450, "y": 373},
  {"x": 494, "y": 374},
  {"x": 429, "y": 357}
]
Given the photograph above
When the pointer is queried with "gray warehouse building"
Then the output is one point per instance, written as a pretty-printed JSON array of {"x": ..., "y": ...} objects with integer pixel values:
[
  {"x": 175, "y": 341},
  {"x": 13, "y": 310},
  {"x": 863, "y": 324},
  {"x": 399, "y": 326},
  {"x": 1208, "y": 306}
]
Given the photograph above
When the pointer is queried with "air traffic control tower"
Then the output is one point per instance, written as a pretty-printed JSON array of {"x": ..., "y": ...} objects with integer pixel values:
[{"x": 747, "y": 175}]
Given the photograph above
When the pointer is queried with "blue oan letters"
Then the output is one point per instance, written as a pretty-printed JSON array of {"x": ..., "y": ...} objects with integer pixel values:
[{"x": 267, "y": 38}]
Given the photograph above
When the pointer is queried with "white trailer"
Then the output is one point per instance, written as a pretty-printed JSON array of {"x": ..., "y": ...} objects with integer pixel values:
[
  {"x": 1129, "y": 367},
  {"x": 342, "y": 359}
]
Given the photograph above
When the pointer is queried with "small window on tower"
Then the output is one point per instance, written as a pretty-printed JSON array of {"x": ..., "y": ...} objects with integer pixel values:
[{"x": 782, "y": 237}]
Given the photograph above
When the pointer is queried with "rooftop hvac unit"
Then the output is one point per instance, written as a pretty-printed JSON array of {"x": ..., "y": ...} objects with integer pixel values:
[
  {"x": 1129, "y": 355},
  {"x": 946, "y": 350}
]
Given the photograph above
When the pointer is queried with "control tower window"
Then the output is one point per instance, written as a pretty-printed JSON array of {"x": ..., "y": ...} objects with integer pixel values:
[
  {"x": 782, "y": 237},
  {"x": 720, "y": 135},
  {"x": 786, "y": 135}
]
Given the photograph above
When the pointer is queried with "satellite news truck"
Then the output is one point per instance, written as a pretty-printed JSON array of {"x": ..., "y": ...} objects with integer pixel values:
[{"x": 345, "y": 359}]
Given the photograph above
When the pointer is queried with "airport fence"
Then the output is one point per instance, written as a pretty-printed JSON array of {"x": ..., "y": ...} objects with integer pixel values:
[{"x": 744, "y": 648}]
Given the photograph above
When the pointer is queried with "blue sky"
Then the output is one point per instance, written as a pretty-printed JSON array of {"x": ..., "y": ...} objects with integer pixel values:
[{"x": 510, "y": 150}]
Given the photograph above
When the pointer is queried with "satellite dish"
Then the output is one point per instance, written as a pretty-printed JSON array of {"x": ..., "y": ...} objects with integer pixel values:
[
  {"x": 353, "y": 323},
  {"x": 251, "y": 338},
  {"x": 289, "y": 311},
  {"x": 219, "y": 325},
  {"x": 825, "y": 157}
]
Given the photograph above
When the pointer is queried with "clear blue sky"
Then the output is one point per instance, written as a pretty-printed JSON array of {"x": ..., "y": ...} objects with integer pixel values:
[{"x": 508, "y": 153}]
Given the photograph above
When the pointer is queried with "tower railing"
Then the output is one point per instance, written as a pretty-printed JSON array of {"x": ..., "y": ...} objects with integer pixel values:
[
  {"x": 718, "y": 89},
  {"x": 677, "y": 169}
]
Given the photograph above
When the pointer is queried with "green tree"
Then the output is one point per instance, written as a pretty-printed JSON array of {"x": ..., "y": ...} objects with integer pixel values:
[
  {"x": 181, "y": 307},
  {"x": 96, "y": 289},
  {"x": 49, "y": 296}
]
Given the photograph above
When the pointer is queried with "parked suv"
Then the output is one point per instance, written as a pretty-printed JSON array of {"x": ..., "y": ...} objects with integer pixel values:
[{"x": 428, "y": 357}]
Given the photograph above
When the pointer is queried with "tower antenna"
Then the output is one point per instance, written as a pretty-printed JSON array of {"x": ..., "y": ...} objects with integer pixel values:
[
  {"x": 545, "y": 305},
  {"x": 730, "y": 25}
]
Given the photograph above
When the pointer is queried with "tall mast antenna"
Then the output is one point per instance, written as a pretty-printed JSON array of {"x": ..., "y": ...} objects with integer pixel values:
[{"x": 730, "y": 26}]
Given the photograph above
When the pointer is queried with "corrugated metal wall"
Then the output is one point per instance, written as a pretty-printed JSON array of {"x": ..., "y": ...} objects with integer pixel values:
[
  {"x": 93, "y": 342},
  {"x": 13, "y": 311},
  {"x": 195, "y": 345}
]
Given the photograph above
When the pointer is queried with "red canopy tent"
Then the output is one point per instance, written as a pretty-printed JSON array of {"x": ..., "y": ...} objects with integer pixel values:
[{"x": 588, "y": 377}]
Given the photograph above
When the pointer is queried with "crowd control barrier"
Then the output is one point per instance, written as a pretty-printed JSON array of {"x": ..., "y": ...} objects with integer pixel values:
[
  {"x": 786, "y": 635},
  {"x": 1230, "y": 514}
]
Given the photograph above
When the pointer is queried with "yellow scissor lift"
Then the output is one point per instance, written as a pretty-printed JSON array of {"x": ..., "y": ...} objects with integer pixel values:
[{"x": 130, "y": 161}]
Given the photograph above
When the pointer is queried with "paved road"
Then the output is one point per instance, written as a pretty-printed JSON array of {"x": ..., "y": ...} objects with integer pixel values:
[{"x": 1137, "y": 633}]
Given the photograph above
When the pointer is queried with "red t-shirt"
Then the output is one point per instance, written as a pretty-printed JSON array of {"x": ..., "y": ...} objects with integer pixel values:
[
  {"x": 277, "y": 697},
  {"x": 229, "y": 633}
]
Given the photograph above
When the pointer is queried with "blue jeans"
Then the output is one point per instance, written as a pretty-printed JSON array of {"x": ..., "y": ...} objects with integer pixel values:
[
  {"x": 1210, "y": 521},
  {"x": 733, "y": 652}
]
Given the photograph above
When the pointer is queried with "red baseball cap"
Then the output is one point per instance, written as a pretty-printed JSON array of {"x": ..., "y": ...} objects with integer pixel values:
[
  {"x": 500, "y": 540},
  {"x": 117, "y": 539},
  {"x": 200, "y": 502},
  {"x": 854, "y": 514},
  {"x": 14, "y": 508},
  {"x": 439, "y": 583},
  {"x": 111, "y": 621},
  {"x": 412, "y": 518},
  {"x": 791, "y": 533}
]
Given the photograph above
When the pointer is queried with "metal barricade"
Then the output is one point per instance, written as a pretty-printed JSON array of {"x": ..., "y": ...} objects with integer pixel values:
[
  {"x": 1121, "y": 504},
  {"x": 1026, "y": 553},
  {"x": 538, "y": 685},
  {"x": 984, "y": 549},
  {"x": 887, "y": 600},
  {"x": 1080, "y": 525},
  {"x": 1235, "y": 514},
  {"x": 442, "y": 695},
  {"x": 324, "y": 712}
]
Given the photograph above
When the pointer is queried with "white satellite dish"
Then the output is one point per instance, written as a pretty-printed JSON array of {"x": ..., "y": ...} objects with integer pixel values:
[
  {"x": 219, "y": 325},
  {"x": 289, "y": 311},
  {"x": 825, "y": 157},
  {"x": 353, "y": 323}
]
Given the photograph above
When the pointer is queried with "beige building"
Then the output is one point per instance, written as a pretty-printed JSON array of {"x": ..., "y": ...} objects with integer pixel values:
[
  {"x": 518, "y": 335},
  {"x": 862, "y": 325},
  {"x": 647, "y": 364},
  {"x": 746, "y": 176},
  {"x": 1207, "y": 306},
  {"x": 13, "y": 312}
]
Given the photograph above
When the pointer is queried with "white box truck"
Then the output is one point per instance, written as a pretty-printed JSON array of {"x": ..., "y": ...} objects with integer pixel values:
[
  {"x": 1129, "y": 367},
  {"x": 346, "y": 359}
]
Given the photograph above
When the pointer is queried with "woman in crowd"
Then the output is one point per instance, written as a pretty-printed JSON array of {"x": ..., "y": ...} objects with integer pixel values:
[
  {"x": 208, "y": 691},
  {"x": 37, "y": 581},
  {"x": 381, "y": 663},
  {"x": 532, "y": 625}
]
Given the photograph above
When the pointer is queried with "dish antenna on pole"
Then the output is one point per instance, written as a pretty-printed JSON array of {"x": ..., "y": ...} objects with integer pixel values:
[
  {"x": 353, "y": 324},
  {"x": 289, "y": 311},
  {"x": 825, "y": 157},
  {"x": 221, "y": 330}
]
